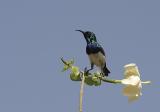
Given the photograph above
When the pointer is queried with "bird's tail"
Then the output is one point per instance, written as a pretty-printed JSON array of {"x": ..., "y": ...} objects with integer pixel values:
[{"x": 105, "y": 70}]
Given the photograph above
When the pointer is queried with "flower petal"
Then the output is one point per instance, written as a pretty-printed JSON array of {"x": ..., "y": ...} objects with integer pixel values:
[
  {"x": 132, "y": 80},
  {"x": 132, "y": 91},
  {"x": 130, "y": 70}
]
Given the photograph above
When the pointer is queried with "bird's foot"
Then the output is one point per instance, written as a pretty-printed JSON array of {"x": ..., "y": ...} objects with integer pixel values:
[
  {"x": 103, "y": 75},
  {"x": 86, "y": 71}
]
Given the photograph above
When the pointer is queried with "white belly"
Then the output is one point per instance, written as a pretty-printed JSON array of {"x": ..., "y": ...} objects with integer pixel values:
[{"x": 98, "y": 59}]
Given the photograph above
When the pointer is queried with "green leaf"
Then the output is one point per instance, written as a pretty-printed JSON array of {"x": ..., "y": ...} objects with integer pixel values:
[
  {"x": 70, "y": 62},
  {"x": 65, "y": 68}
]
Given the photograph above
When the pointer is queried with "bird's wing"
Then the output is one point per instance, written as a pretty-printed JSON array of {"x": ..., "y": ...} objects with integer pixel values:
[
  {"x": 94, "y": 48},
  {"x": 101, "y": 50}
]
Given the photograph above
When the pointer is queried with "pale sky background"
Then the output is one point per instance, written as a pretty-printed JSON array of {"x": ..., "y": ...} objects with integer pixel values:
[{"x": 34, "y": 34}]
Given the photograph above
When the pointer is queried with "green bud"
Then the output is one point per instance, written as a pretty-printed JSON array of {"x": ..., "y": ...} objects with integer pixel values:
[
  {"x": 98, "y": 83},
  {"x": 75, "y": 70},
  {"x": 89, "y": 81},
  {"x": 75, "y": 77},
  {"x": 96, "y": 80},
  {"x": 97, "y": 74}
]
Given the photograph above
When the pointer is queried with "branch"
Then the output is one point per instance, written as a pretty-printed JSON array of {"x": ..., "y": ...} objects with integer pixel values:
[
  {"x": 65, "y": 63},
  {"x": 81, "y": 93},
  {"x": 104, "y": 79}
]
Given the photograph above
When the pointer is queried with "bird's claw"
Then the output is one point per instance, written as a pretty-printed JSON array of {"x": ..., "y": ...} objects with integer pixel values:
[
  {"x": 86, "y": 71},
  {"x": 102, "y": 74}
]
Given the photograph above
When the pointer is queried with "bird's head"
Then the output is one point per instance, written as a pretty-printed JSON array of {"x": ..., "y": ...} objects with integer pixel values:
[{"x": 89, "y": 36}]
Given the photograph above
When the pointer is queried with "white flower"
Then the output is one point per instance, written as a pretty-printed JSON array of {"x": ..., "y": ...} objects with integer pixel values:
[{"x": 132, "y": 82}]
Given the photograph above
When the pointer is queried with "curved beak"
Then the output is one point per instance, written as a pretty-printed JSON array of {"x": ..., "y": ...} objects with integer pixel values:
[{"x": 80, "y": 31}]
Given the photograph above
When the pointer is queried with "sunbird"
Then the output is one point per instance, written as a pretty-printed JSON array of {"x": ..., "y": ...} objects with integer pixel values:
[{"x": 95, "y": 52}]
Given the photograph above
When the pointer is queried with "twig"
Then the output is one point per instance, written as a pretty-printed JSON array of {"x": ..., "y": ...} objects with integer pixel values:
[
  {"x": 64, "y": 62},
  {"x": 81, "y": 93}
]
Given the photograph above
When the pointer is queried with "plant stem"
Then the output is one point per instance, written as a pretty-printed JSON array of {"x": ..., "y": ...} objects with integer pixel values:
[
  {"x": 81, "y": 93},
  {"x": 110, "y": 80}
]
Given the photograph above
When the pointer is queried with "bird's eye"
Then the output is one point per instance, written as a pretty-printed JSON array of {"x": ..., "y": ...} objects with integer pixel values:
[{"x": 88, "y": 33}]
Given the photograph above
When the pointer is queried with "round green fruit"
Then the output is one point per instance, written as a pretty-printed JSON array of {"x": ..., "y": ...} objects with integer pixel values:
[{"x": 75, "y": 77}]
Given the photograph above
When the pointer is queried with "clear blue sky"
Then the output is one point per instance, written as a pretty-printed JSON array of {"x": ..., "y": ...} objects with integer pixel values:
[{"x": 34, "y": 34}]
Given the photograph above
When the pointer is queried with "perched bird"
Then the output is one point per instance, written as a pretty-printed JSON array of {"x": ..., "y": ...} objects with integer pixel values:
[{"x": 95, "y": 52}]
